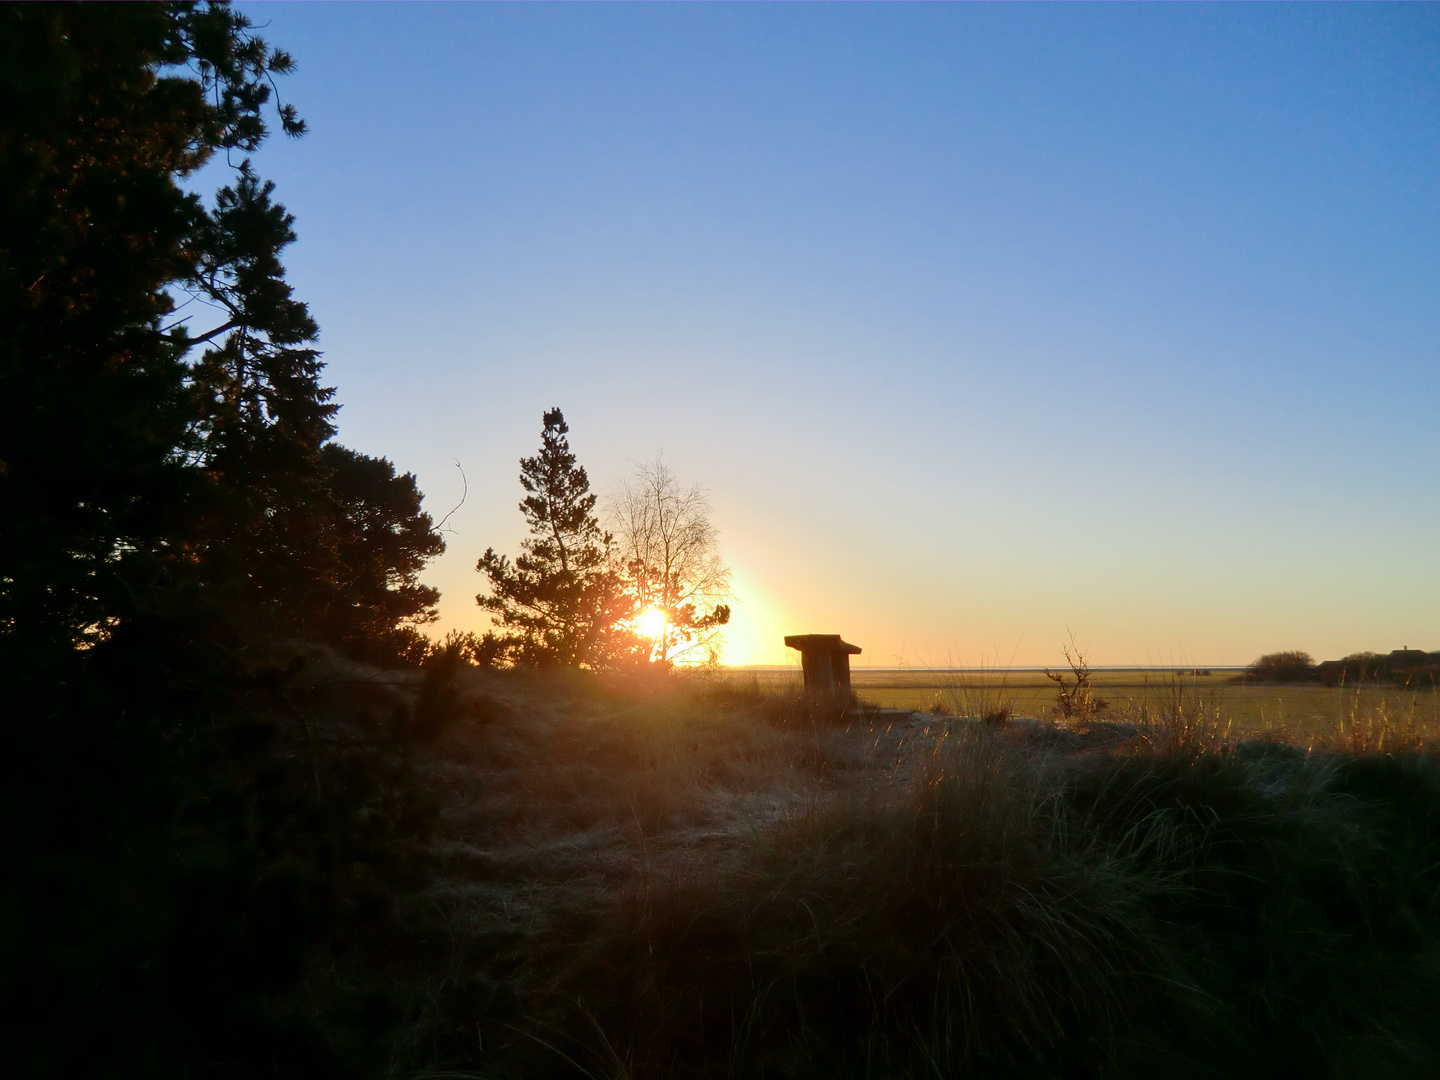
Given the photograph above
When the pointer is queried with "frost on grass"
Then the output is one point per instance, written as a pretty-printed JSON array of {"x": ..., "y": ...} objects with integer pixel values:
[{"x": 689, "y": 879}]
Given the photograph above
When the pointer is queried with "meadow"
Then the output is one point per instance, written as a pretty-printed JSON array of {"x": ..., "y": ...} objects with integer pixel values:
[
  {"x": 1300, "y": 712},
  {"x": 700, "y": 876}
]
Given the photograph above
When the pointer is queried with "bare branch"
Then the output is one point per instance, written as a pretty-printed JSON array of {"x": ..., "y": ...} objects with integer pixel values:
[
  {"x": 440, "y": 527},
  {"x": 668, "y": 558}
]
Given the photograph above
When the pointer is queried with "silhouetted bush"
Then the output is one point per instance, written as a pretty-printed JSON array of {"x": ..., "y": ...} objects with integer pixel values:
[
  {"x": 1075, "y": 700},
  {"x": 1405, "y": 667},
  {"x": 1291, "y": 666},
  {"x": 187, "y": 847}
]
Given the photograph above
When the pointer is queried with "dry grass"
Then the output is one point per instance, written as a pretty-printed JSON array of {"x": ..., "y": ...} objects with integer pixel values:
[
  {"x": 1307, "y": 714},
  {"x": 687, "y": 877},
  {"x": 984, "y": 695}
]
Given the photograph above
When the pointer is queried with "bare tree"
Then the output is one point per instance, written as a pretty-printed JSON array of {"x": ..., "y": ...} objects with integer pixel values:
[{"x": 677, "y": 586}]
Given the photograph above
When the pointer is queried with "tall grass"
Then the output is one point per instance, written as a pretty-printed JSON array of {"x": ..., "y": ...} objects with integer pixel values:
[
  {"x": 937, "y": 926},
  {"x": 507, "y": 873},
  {"x": 982, "y": 694},
  {"x": 1399, "y": 721},
  {"x": 687, "y": 877},
  {"x": 692, "y": 879},
  {"x": 1181, "y": 719}
]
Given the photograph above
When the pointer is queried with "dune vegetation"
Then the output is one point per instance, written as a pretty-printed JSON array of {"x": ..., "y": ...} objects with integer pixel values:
[{"x": 686, "y": 876}]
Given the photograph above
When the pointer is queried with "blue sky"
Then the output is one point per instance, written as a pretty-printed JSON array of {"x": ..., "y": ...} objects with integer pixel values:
[{"x": 981, "y": 324}]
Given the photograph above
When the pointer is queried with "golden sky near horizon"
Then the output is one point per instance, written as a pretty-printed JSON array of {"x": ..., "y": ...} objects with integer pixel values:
[{"x": 982, "y": 325}]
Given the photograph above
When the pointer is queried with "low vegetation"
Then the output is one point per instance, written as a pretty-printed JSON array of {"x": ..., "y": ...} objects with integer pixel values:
[
  {"x": 1291, "y": 666},
  {"x": 503, "y": 873},
  {"x": 1402, "y": 667},
  {"x": 637, "y": 876}
]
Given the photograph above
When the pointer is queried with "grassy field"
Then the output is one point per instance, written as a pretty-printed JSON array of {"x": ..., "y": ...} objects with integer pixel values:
[
  {"x": 1299, "y": 712},
  {"x": 692, "y": 877}
]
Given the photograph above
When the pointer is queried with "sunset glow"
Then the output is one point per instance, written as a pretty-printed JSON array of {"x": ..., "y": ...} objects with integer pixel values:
[
  {"x": 962, "y": 370},
  {"x": 651, "y": 623}
]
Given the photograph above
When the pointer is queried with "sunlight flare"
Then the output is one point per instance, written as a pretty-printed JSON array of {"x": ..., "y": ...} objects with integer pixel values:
[{"x": 651, "y": 623}]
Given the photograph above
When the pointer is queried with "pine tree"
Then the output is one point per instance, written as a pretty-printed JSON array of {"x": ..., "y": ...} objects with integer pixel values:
[
  {"x": 99, "y": 120},
  {"x": 310, "y": 538},
  {"x": 558, "y": 600},
  {"x": 261, "y": 417},
  {"x": 378, "y": 540},
  {"x": 166, "y": 815},
  {"x": 145, "y": 455}
]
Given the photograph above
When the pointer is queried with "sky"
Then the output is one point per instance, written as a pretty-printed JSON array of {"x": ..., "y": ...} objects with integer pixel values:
[{"x": 983, "y": 326}]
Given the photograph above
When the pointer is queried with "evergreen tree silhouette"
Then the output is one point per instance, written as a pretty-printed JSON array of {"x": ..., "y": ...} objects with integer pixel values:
[
  {"x": 558, "y": 602},
  {"x": 151, "y": 459},
  {"x": 170, "y": 509}
]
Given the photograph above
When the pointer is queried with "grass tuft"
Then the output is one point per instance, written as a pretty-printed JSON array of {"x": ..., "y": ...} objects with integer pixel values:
[{"x": 689, "y": 877}]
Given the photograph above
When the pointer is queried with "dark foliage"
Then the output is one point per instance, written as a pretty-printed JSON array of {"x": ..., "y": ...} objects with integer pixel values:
[
  {"x": 1407, "y": 667},
  {"x": 1246, "y": 916},
  {"x": 133, "y": 476},
  {"x": 1402, "y": 667},
  {"x": 559, "y": 602},
  {"x": 312, "y": 538},
  {"x": 1294, "y": 666},
  {"x": 182, "y": 842},
  {"x": 378, "y": 541},
  {"x": 93, "y": 403},
  {"x": 179, "y": 862}
]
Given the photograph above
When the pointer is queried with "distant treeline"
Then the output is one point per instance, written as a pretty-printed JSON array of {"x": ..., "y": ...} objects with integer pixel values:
[{"x": 1401, "y": 667}]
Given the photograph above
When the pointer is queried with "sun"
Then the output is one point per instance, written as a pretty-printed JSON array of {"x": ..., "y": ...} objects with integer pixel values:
[{"x": 651, "y": 623}]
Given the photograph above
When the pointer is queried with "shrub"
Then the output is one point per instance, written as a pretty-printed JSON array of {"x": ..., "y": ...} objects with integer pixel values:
[
  {"x": 1293, "y": 666},
  {"x": 1075, "y": 699}
]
